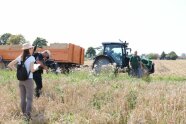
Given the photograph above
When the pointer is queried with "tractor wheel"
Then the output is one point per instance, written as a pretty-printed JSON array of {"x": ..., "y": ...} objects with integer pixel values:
[
  {"x": 2, "y": 65},
  {"x": 145, "y": 71},
  {"x": 99, "y": 63}
]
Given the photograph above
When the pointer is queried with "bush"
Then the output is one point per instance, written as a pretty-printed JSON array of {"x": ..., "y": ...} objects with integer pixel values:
[
  {"x": 153, "y": 56},
  {"x": 172, "y": 56}
]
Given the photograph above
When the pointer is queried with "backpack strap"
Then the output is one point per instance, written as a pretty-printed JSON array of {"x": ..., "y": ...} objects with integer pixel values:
[
  {"x": 29, "y": 73},
  {"x": 27, "y": 57},
  {"x": 24, "y": 63}
]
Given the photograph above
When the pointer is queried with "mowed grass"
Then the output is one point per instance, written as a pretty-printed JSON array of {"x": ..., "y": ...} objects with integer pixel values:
[{"x": 82, "y": 98}]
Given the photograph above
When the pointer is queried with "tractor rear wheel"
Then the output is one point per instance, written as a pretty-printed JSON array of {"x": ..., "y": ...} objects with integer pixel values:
[{"x": 99, "y": 64}]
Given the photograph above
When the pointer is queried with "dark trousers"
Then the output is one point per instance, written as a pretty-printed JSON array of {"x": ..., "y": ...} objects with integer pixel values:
[{"x": 37, "y": 76}]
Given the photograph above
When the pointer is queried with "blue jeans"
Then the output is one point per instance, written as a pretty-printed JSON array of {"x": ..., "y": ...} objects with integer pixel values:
[{"x": 137, "y": 72}]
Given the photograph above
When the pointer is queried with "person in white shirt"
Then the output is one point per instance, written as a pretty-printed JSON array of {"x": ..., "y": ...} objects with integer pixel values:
[{"x": 26, "y": 87}]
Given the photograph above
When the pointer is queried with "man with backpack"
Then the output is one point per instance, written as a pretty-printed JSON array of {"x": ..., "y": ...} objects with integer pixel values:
[{"x": 41, "y": 58}]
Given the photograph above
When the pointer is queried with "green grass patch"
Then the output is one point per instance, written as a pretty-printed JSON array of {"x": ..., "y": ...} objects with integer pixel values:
[
  {"x": 169, "y": 78},
  {"x": 6, "y": 76}
]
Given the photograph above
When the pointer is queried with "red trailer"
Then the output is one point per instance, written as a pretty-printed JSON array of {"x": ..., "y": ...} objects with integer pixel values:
[{"x": 65, "y": 54}]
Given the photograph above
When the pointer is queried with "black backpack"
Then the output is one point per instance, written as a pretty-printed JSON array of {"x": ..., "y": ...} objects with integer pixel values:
[{"x": 22, "y": 73}]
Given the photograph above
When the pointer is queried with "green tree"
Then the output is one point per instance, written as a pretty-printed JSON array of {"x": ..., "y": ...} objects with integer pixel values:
[
  {"x": 4, "y": 38},
  {"x": 163, "y": 55},
  {"x": 172, "y": 56},
  {"x": 90, "y": 52},
  {"x": 153, "y": 56},
  {"x": 40, "y": 42},
  {"x": 16, "y": 39}
]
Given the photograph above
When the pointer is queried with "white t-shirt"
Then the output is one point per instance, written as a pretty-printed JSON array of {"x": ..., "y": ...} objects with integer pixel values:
[{"x": 27, "y": 64}]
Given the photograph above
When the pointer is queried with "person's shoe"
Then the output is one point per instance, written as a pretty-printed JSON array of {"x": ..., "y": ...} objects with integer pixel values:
[
  {"x": 27, "y": 117},
  {"x": 38, "y": 93}
]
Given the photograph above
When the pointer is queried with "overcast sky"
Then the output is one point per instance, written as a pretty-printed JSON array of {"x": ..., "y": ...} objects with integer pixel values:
[{"x": 150, "y": 26}]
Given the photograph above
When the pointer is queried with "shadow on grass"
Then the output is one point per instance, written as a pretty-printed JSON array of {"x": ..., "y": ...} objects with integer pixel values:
[{"x": 39, "y": 119}]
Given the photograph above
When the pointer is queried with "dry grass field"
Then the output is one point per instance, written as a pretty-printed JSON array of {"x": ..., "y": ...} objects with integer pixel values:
[
  {"x": 170, "y": 67},
  {"x": 82, "y": 98}
]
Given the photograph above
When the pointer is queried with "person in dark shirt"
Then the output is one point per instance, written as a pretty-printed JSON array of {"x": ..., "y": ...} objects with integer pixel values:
[
  {"x": 37, "y": 75},
  {"x": 135, "y": 63}
]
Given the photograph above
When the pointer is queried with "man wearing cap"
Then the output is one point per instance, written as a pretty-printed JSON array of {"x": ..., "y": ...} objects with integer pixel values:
[{"x": 37, "y": 75}]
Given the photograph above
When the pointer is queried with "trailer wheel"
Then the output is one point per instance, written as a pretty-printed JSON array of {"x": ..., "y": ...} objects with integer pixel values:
[
  {"x": 65, "y": 70},
  {"x": 1, "y": 59},
  {"x": 2, "y": 65},
  {"x": 99, "y": 63}
]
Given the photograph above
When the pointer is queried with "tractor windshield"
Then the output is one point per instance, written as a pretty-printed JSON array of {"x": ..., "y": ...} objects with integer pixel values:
[{"x": 114, "y": 51}]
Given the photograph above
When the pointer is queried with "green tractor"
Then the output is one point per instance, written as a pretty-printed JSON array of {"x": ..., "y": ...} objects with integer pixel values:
[{"x": 117, "y": 52}]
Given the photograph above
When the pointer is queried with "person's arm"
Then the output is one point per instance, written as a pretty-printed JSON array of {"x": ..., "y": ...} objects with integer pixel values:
[
  {"x": 40, "y": 60},
  {"x": 12, "y": 64},
  {"x": 140, "y": 62},
  {"x": 32, "y": 67},
  {"x": 130, "y": 62},
  {"x": 139, "y": 59},
  {"x": 42, "y": 65}
]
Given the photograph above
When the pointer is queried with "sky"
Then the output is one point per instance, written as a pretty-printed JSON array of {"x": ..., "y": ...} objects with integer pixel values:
[{"x": 150, "y": 26}]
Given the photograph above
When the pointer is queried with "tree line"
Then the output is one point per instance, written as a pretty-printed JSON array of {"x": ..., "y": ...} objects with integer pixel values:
[
  {"x": 90, "y": 53},
  {"x": 165, "y": 56},
  {"x": 11, "y": 39}
]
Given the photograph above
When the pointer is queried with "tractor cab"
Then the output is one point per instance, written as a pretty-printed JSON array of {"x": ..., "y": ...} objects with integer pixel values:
[
  {"x": 113, "y": 52},
  {"x": 117, "y": 52}
]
